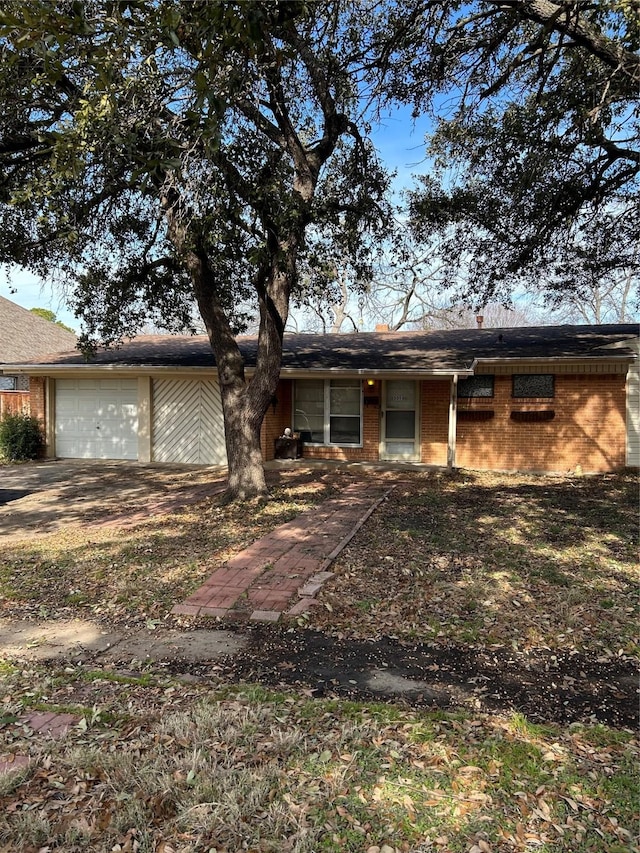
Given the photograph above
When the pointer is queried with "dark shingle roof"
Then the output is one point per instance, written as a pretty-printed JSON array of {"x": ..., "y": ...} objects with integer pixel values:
[
  {"x": 25, "y": 336},
  {"x": 448, "y": 350}
]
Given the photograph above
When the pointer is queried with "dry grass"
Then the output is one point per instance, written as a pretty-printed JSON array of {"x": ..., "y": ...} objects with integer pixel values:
[
  {"x": 494, "y": 560},
  {"x": 166, "y": 768},
  {"x": 132, "y": 575},
  {"x": 472, "y": 558}
]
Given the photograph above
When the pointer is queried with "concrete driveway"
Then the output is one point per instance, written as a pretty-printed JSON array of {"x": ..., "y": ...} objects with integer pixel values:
[{"x": 42, "y": 497}]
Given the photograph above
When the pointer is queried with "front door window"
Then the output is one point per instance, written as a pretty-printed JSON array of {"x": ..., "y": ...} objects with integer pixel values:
[{"x": 400, "y": 420}]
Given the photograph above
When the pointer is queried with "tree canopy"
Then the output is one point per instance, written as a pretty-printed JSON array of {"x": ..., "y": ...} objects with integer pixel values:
[
  {"x": 160, "y": 152},
  {"x": 50, "y": 316},
  {"x": 537, "y": 147}
]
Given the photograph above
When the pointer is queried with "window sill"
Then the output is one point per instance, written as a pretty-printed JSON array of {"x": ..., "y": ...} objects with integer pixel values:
[
  {"x": 347, "y": 446},
  {"x": 532, "y": 399}
]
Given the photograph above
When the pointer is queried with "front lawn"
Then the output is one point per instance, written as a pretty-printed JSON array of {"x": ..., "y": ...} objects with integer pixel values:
[
  {"x": 494, "y": 560},
  {"x": 130, "y": 575},
  {"x": 162, "y": 763},
  {"x": 160, "y": 766}
]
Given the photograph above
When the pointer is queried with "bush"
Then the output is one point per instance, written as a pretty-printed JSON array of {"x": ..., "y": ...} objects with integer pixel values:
[{"x": 20, "y": 437}]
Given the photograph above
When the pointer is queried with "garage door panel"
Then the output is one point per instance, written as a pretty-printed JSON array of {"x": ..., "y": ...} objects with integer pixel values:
[
  {"x": 179, "y": 448},
  {"x": 76, "y": 449},
  {"x": 96, "y": 418},
  {"x": 187, "y": 422}
]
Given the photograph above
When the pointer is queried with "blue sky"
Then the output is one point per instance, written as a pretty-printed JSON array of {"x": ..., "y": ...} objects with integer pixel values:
[{"x": 32, "y": 292}]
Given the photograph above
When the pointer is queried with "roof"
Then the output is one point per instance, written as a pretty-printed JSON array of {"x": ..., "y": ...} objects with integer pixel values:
[
  {"x": 25, "y": 336},
  {"x": 444, "y": 351}
]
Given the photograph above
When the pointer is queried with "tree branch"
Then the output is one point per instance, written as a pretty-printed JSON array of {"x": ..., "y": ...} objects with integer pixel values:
[{"x": 566, "y": 17}]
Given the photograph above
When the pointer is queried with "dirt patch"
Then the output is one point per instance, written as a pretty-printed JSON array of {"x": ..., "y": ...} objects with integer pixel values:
[
  {"x": 77, "y": 640},
  {"x": 546, "y": 687}
]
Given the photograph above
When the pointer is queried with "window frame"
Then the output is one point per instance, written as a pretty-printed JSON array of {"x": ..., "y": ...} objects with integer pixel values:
[
  {"x": 489, "y": 376},
  {"x": 328, "y": 414},
  {"x": 517, "y": 376},
  {"x": 13, "y": 379}
]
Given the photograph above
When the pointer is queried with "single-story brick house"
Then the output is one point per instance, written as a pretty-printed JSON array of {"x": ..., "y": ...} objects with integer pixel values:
[{"x": 531, "y": 399}]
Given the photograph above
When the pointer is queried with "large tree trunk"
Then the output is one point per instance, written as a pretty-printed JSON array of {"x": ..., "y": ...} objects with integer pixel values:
[
  {"x": 245, "y": 402},
  {"x": 243, "y": 418}
]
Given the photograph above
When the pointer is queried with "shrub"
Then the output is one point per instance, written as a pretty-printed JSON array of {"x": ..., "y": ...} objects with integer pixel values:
[{"x": 20, "y": 437}]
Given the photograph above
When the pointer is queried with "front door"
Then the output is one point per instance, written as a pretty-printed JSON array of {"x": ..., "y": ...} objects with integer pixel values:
[{"x": 400, "y": 421}]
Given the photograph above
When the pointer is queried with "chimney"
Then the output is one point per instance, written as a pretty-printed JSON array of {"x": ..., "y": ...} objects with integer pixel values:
[
  {"x": 382, "y": 327},
  {"x": 479, "y": 320}
]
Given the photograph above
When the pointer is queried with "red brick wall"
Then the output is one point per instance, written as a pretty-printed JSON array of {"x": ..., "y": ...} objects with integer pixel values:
[
  {"x": 37, "y": 385},
  {"x": 434, "y": 421},
  {"x": 275, "y": 421},
  {"x": 37, "y": 403},
  {"x": 588, "y": 429}
]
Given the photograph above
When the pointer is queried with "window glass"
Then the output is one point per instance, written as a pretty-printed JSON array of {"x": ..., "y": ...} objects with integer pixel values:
[
  {"x": 344, "y": 411},
  {"x": 345, "y": 400},
  {"x": 308, "y": 418},
  {"x": 476, "y": 386},
  {"x": 401, "y": 394},
  {"x": 8, "y": 383},
  {"x": 533, "y": 385},
  {"x": 344, "y": 430},
  {"x": 400, "y": 424},
  {"x": 328, "y": 411}
]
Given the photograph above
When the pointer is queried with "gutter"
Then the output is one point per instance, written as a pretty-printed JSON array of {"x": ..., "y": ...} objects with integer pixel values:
[
  {"x": 50, "y": 369},
  {"x": 319, "y": 373},
  {"x": 285, "y": 373},
  {"x": 554, "y": 359},
  {"x": 364, "y": 373}
]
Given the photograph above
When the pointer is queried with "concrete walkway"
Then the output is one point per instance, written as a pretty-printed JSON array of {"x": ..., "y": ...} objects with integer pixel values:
[{"x": 282, "y": 572}]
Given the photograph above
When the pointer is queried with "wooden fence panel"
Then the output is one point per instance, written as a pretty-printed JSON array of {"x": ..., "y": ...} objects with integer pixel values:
[{"x": 14, "y": 401}]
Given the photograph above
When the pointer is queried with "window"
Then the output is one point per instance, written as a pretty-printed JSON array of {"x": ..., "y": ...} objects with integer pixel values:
[
  {"x": 328, "y": 411},
  {"x": 308, "y": 417},
  {"x": 476, "y": 386},
  {"x": 533, "y": 385},
  {"x": 8, "y": 383}
]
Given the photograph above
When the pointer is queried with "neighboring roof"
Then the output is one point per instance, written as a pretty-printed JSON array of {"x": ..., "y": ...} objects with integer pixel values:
[
  {"x": 25, "y": 336},
  {"x": 447, "y": 351}
]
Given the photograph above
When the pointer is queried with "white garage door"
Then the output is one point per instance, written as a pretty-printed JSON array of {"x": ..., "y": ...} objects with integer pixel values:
[
  {"x": 188, "y": 426},
  {"x": 96, "y": 418}
]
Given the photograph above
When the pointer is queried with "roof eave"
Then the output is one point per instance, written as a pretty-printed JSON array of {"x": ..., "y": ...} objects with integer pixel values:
[
  {"x": 377, "y": 373},
  {"x": 286, "y": 372},
  {"x": 51, "y": 369}
]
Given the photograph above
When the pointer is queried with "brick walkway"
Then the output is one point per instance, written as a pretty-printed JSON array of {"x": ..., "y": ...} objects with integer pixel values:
[
  {"x": 282, "y": 572},
  {"x": 46, "y": 724}
]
